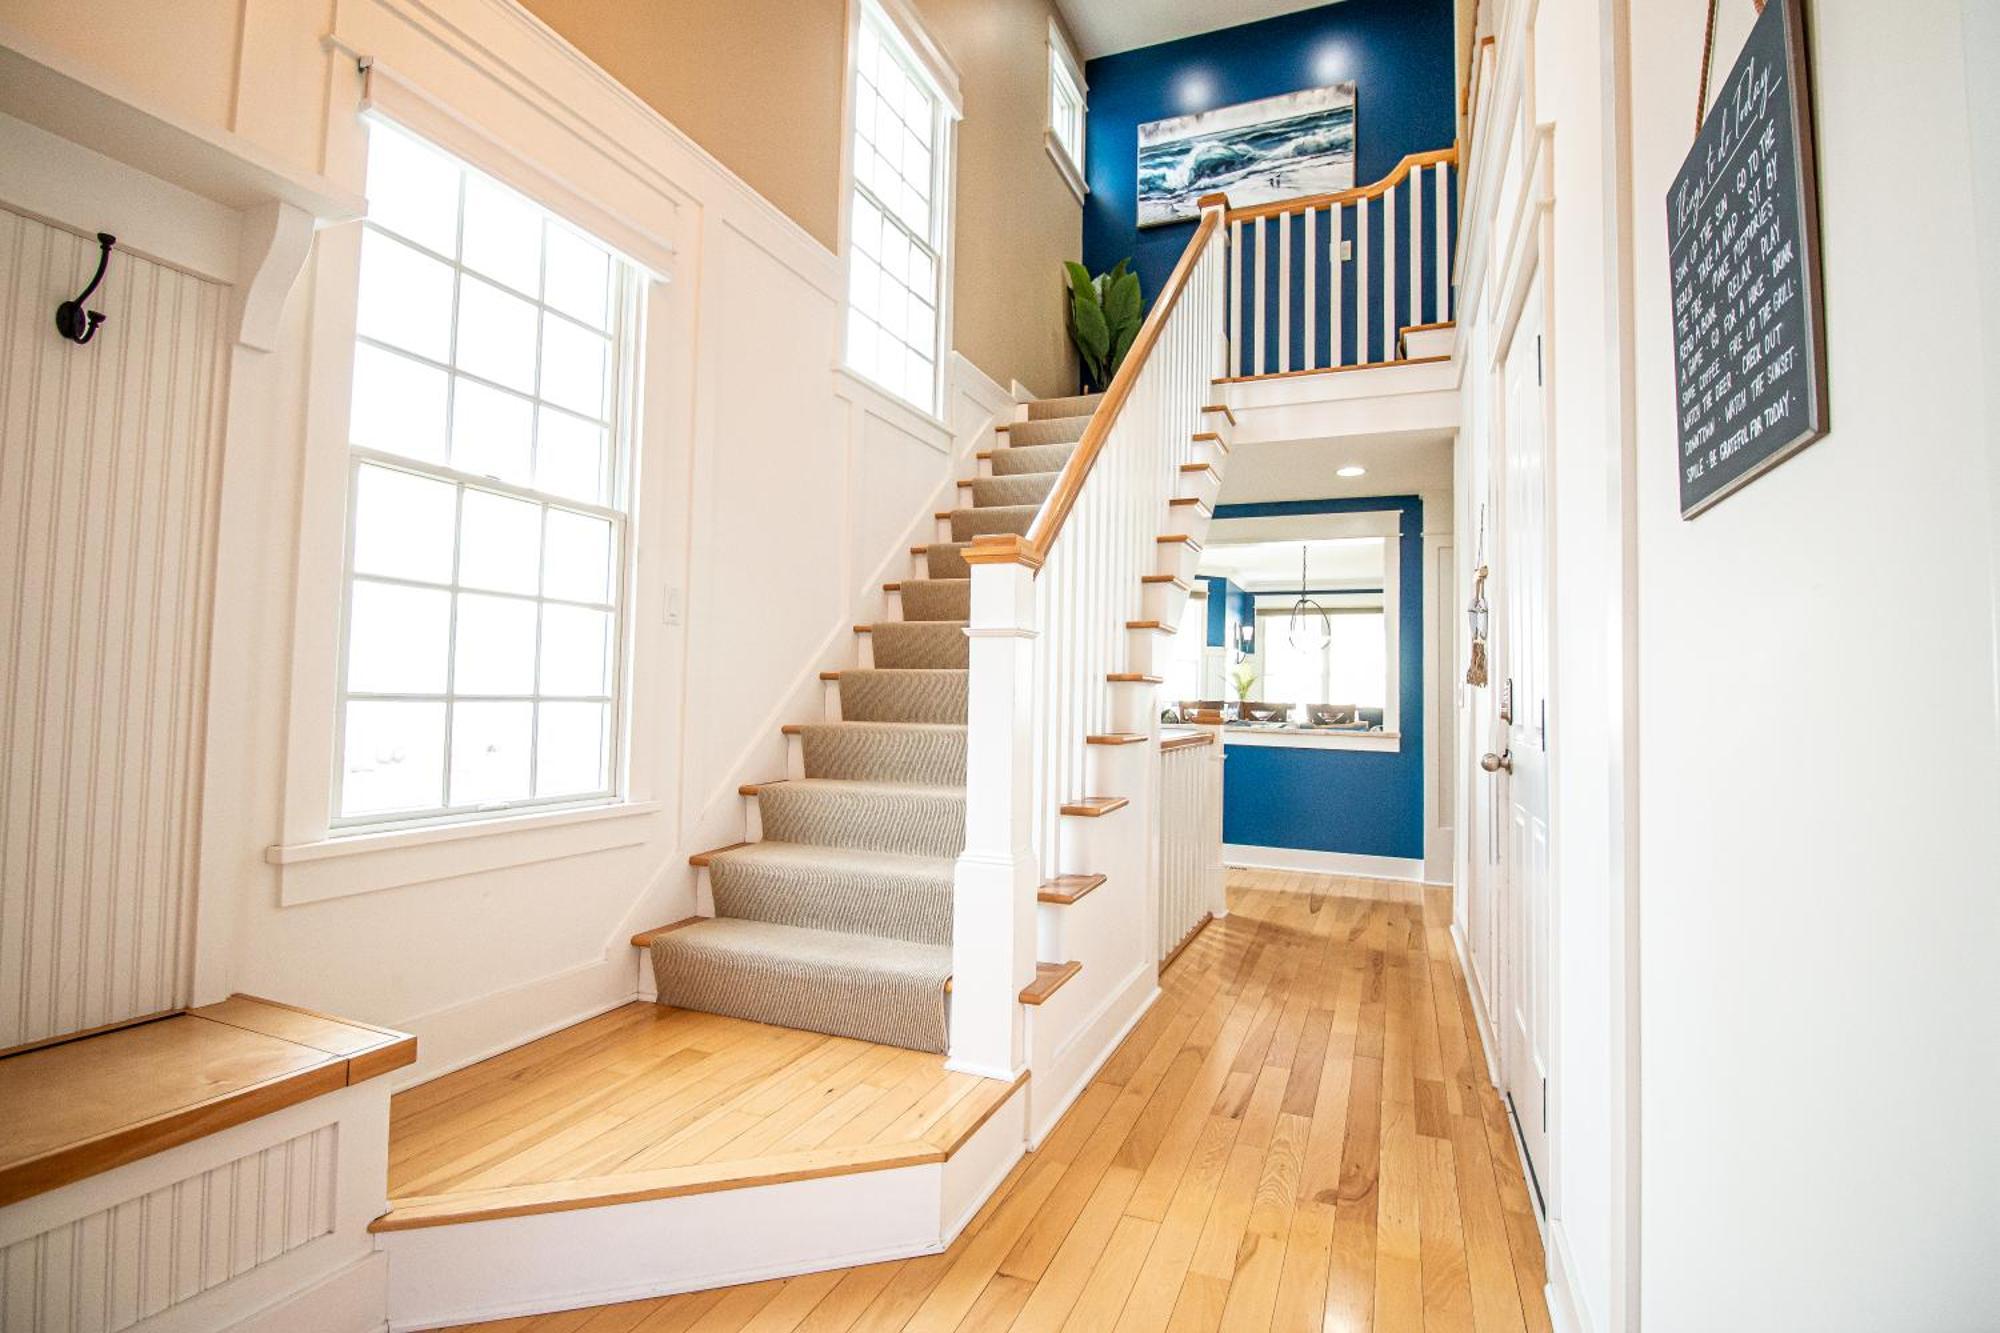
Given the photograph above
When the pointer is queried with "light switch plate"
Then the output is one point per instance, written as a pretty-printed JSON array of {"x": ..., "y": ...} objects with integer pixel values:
[{"x": 1346, "y": 251}]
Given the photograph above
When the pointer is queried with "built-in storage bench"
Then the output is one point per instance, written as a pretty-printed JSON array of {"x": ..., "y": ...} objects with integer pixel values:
[{"x": 206, "y": 1169}]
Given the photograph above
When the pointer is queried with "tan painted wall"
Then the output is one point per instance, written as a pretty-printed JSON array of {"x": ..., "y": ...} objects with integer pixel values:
[{"x": 758, "y": 83}]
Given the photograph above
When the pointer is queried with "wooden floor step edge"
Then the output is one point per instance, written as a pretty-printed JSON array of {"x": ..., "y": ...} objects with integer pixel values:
[
  {"x": 1175, "y": 579},
  {"x": 1134, "y": 678},
  {"x": 1224, "y": 408},
  {"x": 1049, "y": 978},
  {"x": 829, "y": 675},
  {"x": 1178, "y": 539},
  {"x": 792, "y": 729},
  {"x": 1195, "y": 469},
  {"x": 644, "y": 939},
  {"x": 1116, "y": 738},
  {"x": 1200, "y": 505},
  {"x": 1213, "y": 438},
  {"x": 1091, "y": 807},
  {"x": 752, "y": 788},
  {"x": 1157, "y": 626},
  {"x": 1066, "y": 889},
  {"x": 703, "y": 858}
]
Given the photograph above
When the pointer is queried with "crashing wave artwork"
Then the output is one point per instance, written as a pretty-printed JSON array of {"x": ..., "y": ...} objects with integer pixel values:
[{"x": 1255, "y": 152}]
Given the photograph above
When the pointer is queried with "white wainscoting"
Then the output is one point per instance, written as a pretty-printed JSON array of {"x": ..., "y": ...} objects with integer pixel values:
[
  {"x": 268, "y": 1216},
  {"x": 107, "y": 479}
]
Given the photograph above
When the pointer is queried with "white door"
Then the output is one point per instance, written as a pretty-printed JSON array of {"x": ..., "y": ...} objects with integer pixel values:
[{"x": 1522, "y": 677}]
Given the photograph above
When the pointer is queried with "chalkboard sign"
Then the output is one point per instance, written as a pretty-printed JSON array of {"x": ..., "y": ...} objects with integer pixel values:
[{"x": 1743, "y": 249}]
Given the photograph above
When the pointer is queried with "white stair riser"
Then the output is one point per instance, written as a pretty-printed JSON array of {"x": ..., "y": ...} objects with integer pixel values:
[
  {"x": 1429, "y": 342},
  {"x": 1148, "y": 651},
  {"x": 892, "y": 605},
  {"x": 1051, "y": 927},
  {"x": 1117, "y": 770},
  {"x": 753, "y": 820},
  {"x": 1133, "y": 705},
  {"x": 830, "y": 701},
  {"x": 1162, "y": 602},
  {"x": 795, "y": 758},
  {"x": 1203, "y": 486},
  {"x": 1092, "y": 841},
  {"x": 1205, "y": 451},
  {"x": 864, "y": 651},
  {"x": 941, "y": 530},
  {"x": 1177, "y": 558}
]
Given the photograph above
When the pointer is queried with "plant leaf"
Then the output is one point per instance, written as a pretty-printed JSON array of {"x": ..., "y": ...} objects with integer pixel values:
[
  {"x": 1079, "y": 280},
  {"x": 1092, "y": 334},
  {"x": 1121, "y": 303}
]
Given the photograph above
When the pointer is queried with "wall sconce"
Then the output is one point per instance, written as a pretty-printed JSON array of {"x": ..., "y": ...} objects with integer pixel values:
[{"x": 1246, "y": 640}]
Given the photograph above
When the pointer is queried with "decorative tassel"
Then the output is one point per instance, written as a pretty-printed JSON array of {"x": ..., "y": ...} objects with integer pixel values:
[{"x": 1476, "y": 673}]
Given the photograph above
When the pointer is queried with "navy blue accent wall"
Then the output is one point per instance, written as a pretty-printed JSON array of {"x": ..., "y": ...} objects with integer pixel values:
[
  {"x": 1228, "y": 607},
  {"x": 1398, "y": 53},
  {"x": 1355, "y": 801}
]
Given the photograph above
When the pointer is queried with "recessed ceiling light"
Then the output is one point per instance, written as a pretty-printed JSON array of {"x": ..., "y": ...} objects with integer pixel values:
[{"x": 1352, "y": 470}]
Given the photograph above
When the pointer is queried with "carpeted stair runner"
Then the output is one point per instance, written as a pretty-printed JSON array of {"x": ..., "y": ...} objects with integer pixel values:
[{"x": 839, "y": 920}]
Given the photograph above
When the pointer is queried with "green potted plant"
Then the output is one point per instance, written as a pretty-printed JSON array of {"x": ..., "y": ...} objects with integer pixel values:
[{"x": 1104, "y": 317}]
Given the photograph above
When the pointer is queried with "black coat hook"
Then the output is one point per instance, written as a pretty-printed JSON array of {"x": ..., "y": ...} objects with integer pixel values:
[{"x": 72, "y": 320}]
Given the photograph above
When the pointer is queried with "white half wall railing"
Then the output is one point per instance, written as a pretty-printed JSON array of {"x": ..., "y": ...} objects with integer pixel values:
[
  {"x": 1052, "y": 622},
  {"x": 1331, "y": 280},
  {"x": 1190, "y": 874}
]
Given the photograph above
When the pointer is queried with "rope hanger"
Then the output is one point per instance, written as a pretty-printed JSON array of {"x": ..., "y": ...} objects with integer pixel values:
[{"x": 1708, "y": 62}]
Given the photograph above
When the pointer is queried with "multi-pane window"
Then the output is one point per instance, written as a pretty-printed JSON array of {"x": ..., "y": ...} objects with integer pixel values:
[
  {"x": 1352, "y": 667},
  {"x": 487, "y": 504},
  {"x": 897, "y": 222},
  {"x": 1065, "y": 101}
]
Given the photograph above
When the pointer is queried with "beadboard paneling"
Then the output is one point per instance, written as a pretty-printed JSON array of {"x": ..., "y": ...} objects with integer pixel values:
[
  {"x": 106, "y": 483},
  {"x": 110, "y": 1269}
]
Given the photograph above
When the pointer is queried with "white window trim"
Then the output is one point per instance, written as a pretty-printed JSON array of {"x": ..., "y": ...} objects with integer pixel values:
[
  {"x": 315, "y": 862},
  {"x": 944, "y": 79},
  {"x": 1068, "y": 165}
]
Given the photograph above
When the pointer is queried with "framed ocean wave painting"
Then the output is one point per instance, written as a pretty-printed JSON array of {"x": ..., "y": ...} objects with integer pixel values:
[{"x": 1255, "y": 152}]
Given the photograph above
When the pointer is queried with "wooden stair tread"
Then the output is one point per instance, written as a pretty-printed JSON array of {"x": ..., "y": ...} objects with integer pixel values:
[
  {"x": 1158, "y": 626},
  {"x": 1116, "y": 738},
  {"x": 644, "y": 939},
  {"x": 1091, "y": 807},
  {"x": 1174, "y": 579},
  {"x": 1223, "y": 408},
  {"x": 1134, "y": 678},
  {"x": 1049, "y": 978},
  {"x": 703, "y": 858},
  {"x": 1213, "y": 438},
  {"x": 829, "y": 675},
  {"x": 1178, "y": 539},
  {"x": 1066, "y": 889}
]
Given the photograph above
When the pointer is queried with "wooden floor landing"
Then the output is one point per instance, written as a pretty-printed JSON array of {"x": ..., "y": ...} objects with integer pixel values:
[
  {"x": 647, "y": 1102},
  {"x": 1299, "y": 1136}
]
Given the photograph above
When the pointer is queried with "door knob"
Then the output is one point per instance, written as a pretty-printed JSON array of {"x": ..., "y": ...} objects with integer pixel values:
[{"x": 1495, "y": 763}]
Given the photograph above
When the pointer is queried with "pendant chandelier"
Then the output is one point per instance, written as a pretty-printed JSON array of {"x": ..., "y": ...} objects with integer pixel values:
[{"x": 1309, "y": 627}]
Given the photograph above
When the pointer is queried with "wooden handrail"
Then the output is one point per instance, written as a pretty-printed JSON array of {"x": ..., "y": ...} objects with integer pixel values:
[
  {"x": 1032, "y": 550},
  {"x": 1379, "y": 188}
]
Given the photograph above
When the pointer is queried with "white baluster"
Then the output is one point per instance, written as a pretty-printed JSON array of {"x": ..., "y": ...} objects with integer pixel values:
[
  {"x": 1258, "y": 364},
  {"x": 1312, "y": 289},
  {"x": 1336, "y": 306},
  {"x": 1416, "y": 247},
  {"x": 1441, "y": 214},
  {"x": 1361, "y": 302},
  {"x": 1235, "y": 362},
  {"x": 1284, "y": 292},
  {"x": 1389, "y": 275}
]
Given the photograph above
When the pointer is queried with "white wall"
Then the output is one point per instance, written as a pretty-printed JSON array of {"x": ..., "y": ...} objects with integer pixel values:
[
  {"x": 775, "y": 494},
  {"x": 1820, "y": 761}
]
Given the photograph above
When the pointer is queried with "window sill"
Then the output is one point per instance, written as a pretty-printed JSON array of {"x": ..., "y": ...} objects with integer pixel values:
[
  {"x": 917, "y": 417},
  {"x": 1066, "y": 166},
  {"x": 342, "y": 866}
]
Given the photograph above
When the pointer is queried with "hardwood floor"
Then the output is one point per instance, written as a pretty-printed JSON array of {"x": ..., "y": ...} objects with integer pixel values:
[
  {"x": 1300, "y": 1135},
  {"x": 646, "y": 1102}
]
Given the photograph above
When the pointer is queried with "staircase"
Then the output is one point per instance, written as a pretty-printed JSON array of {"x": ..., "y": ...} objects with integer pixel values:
[{"x": 836, "y": 914}]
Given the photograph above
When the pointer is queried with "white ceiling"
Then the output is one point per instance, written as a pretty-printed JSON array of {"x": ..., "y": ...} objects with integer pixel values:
[
  {"x": 1105, "y": 27},
  {"x": 1274, "y": 566},
  {"x": 1405, "y": 463}
]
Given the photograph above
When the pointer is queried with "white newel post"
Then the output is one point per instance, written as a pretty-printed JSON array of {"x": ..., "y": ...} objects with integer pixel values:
[{"x": 993, "y": 899}]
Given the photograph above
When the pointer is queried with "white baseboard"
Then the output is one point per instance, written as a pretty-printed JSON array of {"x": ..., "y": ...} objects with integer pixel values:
[
  {"x": 1069, "y": 1069},
  {"x": 1480, "y": 1018},
  {"x": 1567, "y": 1313},
  {"x": 1248, "y": 856},
  {"x": 466, "y": 1033},
  {"x": 353, "y": 1300}
]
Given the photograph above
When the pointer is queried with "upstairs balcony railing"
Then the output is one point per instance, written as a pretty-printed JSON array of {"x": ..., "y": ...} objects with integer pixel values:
[{"x": 1325, "y": 281}]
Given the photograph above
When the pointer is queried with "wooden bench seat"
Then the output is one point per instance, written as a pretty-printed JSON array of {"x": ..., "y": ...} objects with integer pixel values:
[{"x": 71, "y": 1109}]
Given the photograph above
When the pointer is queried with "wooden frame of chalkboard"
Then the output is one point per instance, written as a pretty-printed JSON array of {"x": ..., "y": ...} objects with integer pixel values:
[{"x": 1743, "y": 260}]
